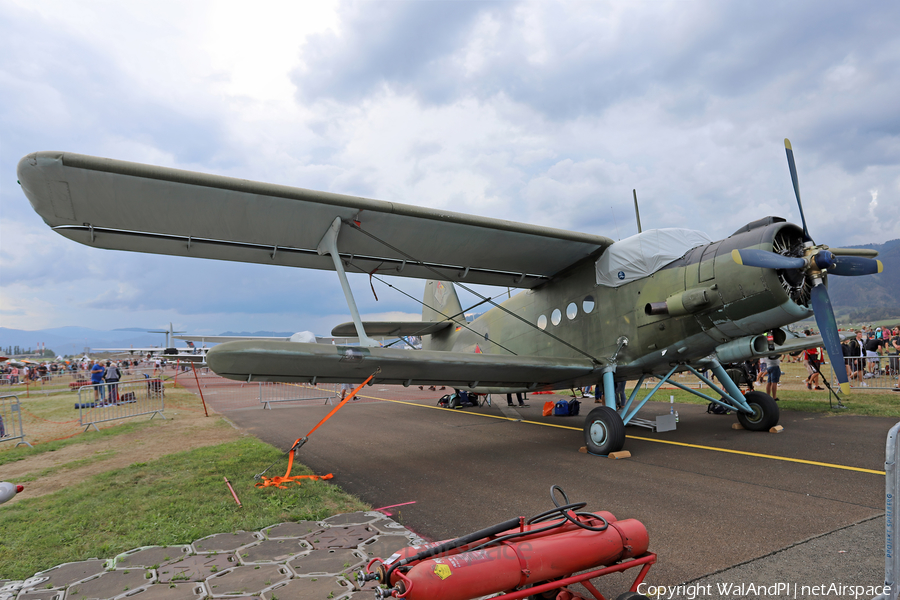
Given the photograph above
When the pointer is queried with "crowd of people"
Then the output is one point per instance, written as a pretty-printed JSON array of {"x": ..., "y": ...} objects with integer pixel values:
[
  {"x": 873, "y": 352},
  {"x": 111, "y": 371}
]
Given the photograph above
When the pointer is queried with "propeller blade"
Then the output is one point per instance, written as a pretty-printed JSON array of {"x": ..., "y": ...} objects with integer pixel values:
[
  {"x": 766, "y": 259},
  {"x": 867, "y": 252},
  {"x": 793, "y": 168},
  {"x": 821, "y": 304},
  {"x": 852, "y": 266}
]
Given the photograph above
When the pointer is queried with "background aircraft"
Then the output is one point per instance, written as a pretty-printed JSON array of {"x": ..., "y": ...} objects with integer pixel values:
[
  {"x": 593, "y": 311},
  {"x": 168, "y": 348},
  {"x": 300, "y": 336}
]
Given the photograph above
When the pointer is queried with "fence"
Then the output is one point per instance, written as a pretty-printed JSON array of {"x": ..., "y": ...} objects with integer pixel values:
[
  {"x": 891, "y": 527},
  {"x": 878, "y": 372},
  {"x": 295, "y": 392},
  {"x": 11, "y": 420},
  {"x": 110, "y": 401},
  {"x": 227, "y": 394}
]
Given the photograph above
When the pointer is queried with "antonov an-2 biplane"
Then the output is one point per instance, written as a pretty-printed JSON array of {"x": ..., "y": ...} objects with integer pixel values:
[{"x": 592, "y": 311}]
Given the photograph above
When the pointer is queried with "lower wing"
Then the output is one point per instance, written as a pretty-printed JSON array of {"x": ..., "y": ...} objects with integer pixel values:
[{"x": 295, "y": 362}]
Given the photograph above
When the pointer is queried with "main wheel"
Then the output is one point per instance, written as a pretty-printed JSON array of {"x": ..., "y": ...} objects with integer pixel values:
[
  {"x": 604, "y": 431},
  {"x": 765, "y": 412}
]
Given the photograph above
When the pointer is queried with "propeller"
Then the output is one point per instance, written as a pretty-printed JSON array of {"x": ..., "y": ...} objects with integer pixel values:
[
  {"x": 816, "y": 261},
  {"x": 855, "y": 265},
  {"x": 766, "y": 259}
]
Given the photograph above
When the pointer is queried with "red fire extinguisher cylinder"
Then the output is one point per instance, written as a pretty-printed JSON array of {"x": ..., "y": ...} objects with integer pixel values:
[{"x": 521, "y": 561}]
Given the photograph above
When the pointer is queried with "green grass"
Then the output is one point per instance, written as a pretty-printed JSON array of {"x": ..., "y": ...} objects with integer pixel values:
[
  {"x": 176, "y": 499},
  {"x": 13, "y": 454},
  {"x": 41, "y": 413},
  {"x": 100, "y": 455}
]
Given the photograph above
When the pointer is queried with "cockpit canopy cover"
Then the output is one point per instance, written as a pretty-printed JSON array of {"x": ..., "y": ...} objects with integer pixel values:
[{"x": 645, "y": 253}]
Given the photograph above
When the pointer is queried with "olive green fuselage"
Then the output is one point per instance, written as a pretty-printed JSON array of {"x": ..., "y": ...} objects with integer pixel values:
[{"x": 590, "y": 319}]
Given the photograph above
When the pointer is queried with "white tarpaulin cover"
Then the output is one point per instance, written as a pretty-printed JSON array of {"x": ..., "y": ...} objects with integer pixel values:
[{"x": 645, "y": 253}]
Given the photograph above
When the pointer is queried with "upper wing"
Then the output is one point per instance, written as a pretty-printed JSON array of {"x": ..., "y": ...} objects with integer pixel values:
[{"x": 120, "y": 205}]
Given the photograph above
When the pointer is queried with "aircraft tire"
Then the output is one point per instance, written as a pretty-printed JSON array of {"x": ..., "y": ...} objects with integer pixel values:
[
  {"x": 765, "y": 412},
  {"x": 604, "y": 431}
]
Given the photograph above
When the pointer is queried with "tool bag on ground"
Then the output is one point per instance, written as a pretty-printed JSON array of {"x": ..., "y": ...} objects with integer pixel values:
[{"x": 567, "y": 408}]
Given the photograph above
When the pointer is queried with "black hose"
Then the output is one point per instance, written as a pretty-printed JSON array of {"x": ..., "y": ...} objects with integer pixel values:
[{"x": 548, "y": 514}]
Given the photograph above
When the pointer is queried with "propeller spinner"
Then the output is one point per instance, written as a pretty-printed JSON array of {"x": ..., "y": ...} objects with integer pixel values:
[{"x": 816, "y": 261}]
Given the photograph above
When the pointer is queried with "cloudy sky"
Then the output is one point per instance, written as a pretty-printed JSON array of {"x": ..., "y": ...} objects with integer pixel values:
[{"x": 541, "y": 112}]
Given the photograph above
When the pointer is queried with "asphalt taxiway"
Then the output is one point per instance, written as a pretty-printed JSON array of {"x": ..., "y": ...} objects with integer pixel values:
[{"x": 714, "y": 499}]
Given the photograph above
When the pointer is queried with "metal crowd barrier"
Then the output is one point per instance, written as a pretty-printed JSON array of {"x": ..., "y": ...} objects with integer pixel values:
[
  {"x": 891, "y": 526},
  {"x": 110, "y": 401},
  {"x": 294, "y": 392},
  {"x": 878, "y": 372},
  {"x": 11, "y": 421}
]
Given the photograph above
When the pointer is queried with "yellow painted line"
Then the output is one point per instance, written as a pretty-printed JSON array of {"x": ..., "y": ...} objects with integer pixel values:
[
  {"x": 756, "y": 454},
  {"x": 636, "y": 437}
]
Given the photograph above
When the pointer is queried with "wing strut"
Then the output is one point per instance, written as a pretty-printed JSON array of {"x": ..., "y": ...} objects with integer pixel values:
[{"x": 328, "y": 245}]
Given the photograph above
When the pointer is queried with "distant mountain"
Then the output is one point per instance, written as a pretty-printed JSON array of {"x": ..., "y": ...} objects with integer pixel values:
[
  {"x": 874, "y": 295},
  {"x": 73, "y": 340}
]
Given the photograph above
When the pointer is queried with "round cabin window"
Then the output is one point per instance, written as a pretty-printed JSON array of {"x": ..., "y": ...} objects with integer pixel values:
[{"x": 587, "y": 304}]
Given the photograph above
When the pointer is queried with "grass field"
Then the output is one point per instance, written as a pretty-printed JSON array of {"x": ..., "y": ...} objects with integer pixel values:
[{"x": 122, "y": 487}]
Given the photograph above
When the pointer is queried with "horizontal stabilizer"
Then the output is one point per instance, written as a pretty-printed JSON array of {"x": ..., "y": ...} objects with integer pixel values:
[
  {"x": 392, "y": 328},
  {"x": 298, "y": 362}
]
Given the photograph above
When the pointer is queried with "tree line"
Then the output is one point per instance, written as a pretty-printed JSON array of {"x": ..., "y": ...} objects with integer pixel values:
[{"x": 16, "y": 350}]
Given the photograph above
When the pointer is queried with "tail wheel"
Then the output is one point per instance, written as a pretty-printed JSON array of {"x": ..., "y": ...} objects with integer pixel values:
[
  {"x": 765, "y": 412},
  {"x": 604, "y": 431}
]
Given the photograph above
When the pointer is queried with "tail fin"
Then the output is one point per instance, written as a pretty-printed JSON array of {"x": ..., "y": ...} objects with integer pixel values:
[{"x": 441, "y": 302}]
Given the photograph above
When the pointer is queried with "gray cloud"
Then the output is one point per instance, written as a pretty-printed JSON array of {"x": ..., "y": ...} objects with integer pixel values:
[
  {"x": 746, "y": 62},
  {"x": 404, "y": 44}
]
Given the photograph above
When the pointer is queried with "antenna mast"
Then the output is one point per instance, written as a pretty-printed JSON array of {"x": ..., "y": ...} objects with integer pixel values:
[{"x": 637, "y": 212}]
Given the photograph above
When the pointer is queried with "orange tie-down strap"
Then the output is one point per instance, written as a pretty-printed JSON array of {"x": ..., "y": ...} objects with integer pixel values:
[{"x": 278, "y": 481}]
